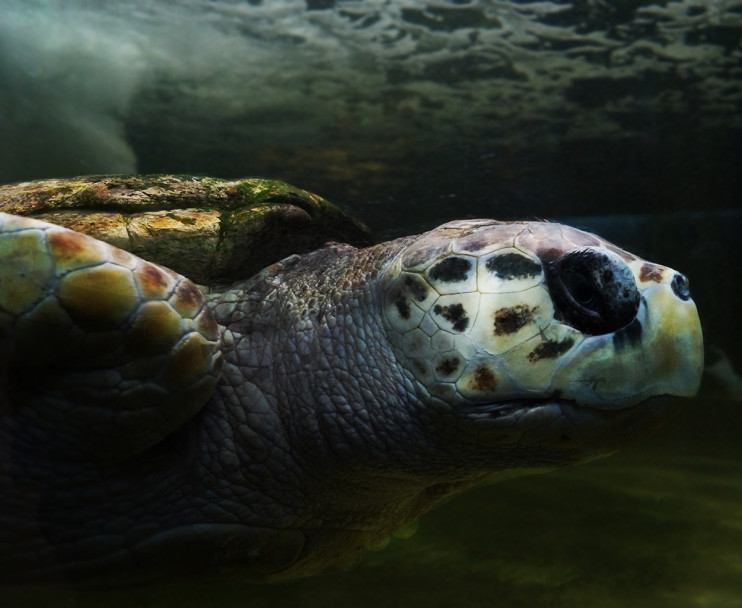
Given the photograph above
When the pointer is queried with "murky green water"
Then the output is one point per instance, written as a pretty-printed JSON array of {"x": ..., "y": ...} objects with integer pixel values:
[{"x": 657, "y": 525}]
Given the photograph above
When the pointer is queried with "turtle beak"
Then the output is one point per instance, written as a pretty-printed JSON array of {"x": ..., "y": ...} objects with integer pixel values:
[
  {"x": 659, "y": 353},
  {"x": 676, "y": 339}
]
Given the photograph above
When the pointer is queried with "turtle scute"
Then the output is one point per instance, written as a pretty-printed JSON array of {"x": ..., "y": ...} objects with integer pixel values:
[{"x": 115, "y": 351}]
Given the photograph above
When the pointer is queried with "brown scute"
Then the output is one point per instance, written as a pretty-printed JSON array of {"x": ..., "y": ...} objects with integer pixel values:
[
  {"x": 153, "y": 276},
  {"x": 451, "y": 270},
  {"x": 187, "y": 299},
  {"x": 65, "y": 243},
  {"x": 153, "y": 281},
  {"x": 73, "y": 250},
  {"x": 448, "y": 366},
  {"x": 454, "y": 314},
  {"x": 650, "y": 272},
  {"x": 483, "y": 380},
  {"x": 550, "y": 349},
  {"x": 510, "y": 320}
]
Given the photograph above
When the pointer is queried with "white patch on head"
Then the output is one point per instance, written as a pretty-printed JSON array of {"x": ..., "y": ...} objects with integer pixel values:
[{"x": 480, "y": 324}]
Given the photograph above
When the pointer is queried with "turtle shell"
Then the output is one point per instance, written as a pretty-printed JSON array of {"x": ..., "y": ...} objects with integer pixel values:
[
  {"x": 210, "y": 230},
  {"x": 97, "y": 338}
]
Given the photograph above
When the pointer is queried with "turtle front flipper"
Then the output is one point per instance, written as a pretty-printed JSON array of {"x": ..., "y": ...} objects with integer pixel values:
[{"x": 101, "y": 352}]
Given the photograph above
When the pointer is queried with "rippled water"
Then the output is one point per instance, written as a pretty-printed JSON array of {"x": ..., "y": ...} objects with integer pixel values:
[
  {"x": 525, "y": 107},
  {"x": 625, "y": 116}
]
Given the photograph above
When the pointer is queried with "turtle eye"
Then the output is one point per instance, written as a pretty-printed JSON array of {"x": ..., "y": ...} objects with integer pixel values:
[{"x": 592, "y": 291}]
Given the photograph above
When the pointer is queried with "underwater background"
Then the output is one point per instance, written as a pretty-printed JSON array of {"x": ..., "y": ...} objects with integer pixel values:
[{"x": 620, "y": 116}]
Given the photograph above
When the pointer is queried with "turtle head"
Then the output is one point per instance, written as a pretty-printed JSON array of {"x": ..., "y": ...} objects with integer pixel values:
[{"x": 540, "y": 337}]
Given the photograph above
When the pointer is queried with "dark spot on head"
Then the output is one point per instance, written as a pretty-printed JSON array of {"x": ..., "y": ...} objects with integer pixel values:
[
  {"x": 454, "y": 314},
  {"x": 416, "y": 288},
  {"x": 403, "y": 308},
  {"x": 448, "y": 366},
  {"x": 511, "y": 266},
  {"x": 550, "y": 349},
  {"x": 483, "y": 380},
  {"x": 651, "y": 272},
  {"x": 629, "y": 336},
  {"x": 510, "y": 320},
  {"x": 450, "y": 270}
]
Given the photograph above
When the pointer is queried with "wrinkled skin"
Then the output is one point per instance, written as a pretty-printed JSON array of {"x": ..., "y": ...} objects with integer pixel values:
[{"x": 280, "y": 427}]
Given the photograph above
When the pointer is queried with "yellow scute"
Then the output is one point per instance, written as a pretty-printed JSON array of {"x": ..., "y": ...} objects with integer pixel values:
[{"x": 99, "y": 298}]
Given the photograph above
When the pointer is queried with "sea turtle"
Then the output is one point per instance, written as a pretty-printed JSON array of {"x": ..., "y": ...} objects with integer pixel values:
[{"x": 280, "y": 425}]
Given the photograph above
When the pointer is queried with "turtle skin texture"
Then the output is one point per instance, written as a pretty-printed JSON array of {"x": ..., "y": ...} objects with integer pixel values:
[{"x": 282, "y": 425}]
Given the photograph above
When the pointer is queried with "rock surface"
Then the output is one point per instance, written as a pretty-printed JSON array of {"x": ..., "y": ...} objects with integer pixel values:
[{"x": 208, "y": 229}]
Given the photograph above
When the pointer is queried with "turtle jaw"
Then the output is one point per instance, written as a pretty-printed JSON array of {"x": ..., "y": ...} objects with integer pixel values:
[{"x": 560, "y": 431}]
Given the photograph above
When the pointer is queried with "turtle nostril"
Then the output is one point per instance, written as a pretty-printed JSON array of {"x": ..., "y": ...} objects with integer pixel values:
[
  {"x": 580, "y": 288},
  {"x": 593, "y": 291},
  {"x": 681, "y": 286}
]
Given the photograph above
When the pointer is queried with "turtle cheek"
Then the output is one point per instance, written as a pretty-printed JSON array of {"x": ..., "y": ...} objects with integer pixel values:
[{"x": 593, "y": 291}]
